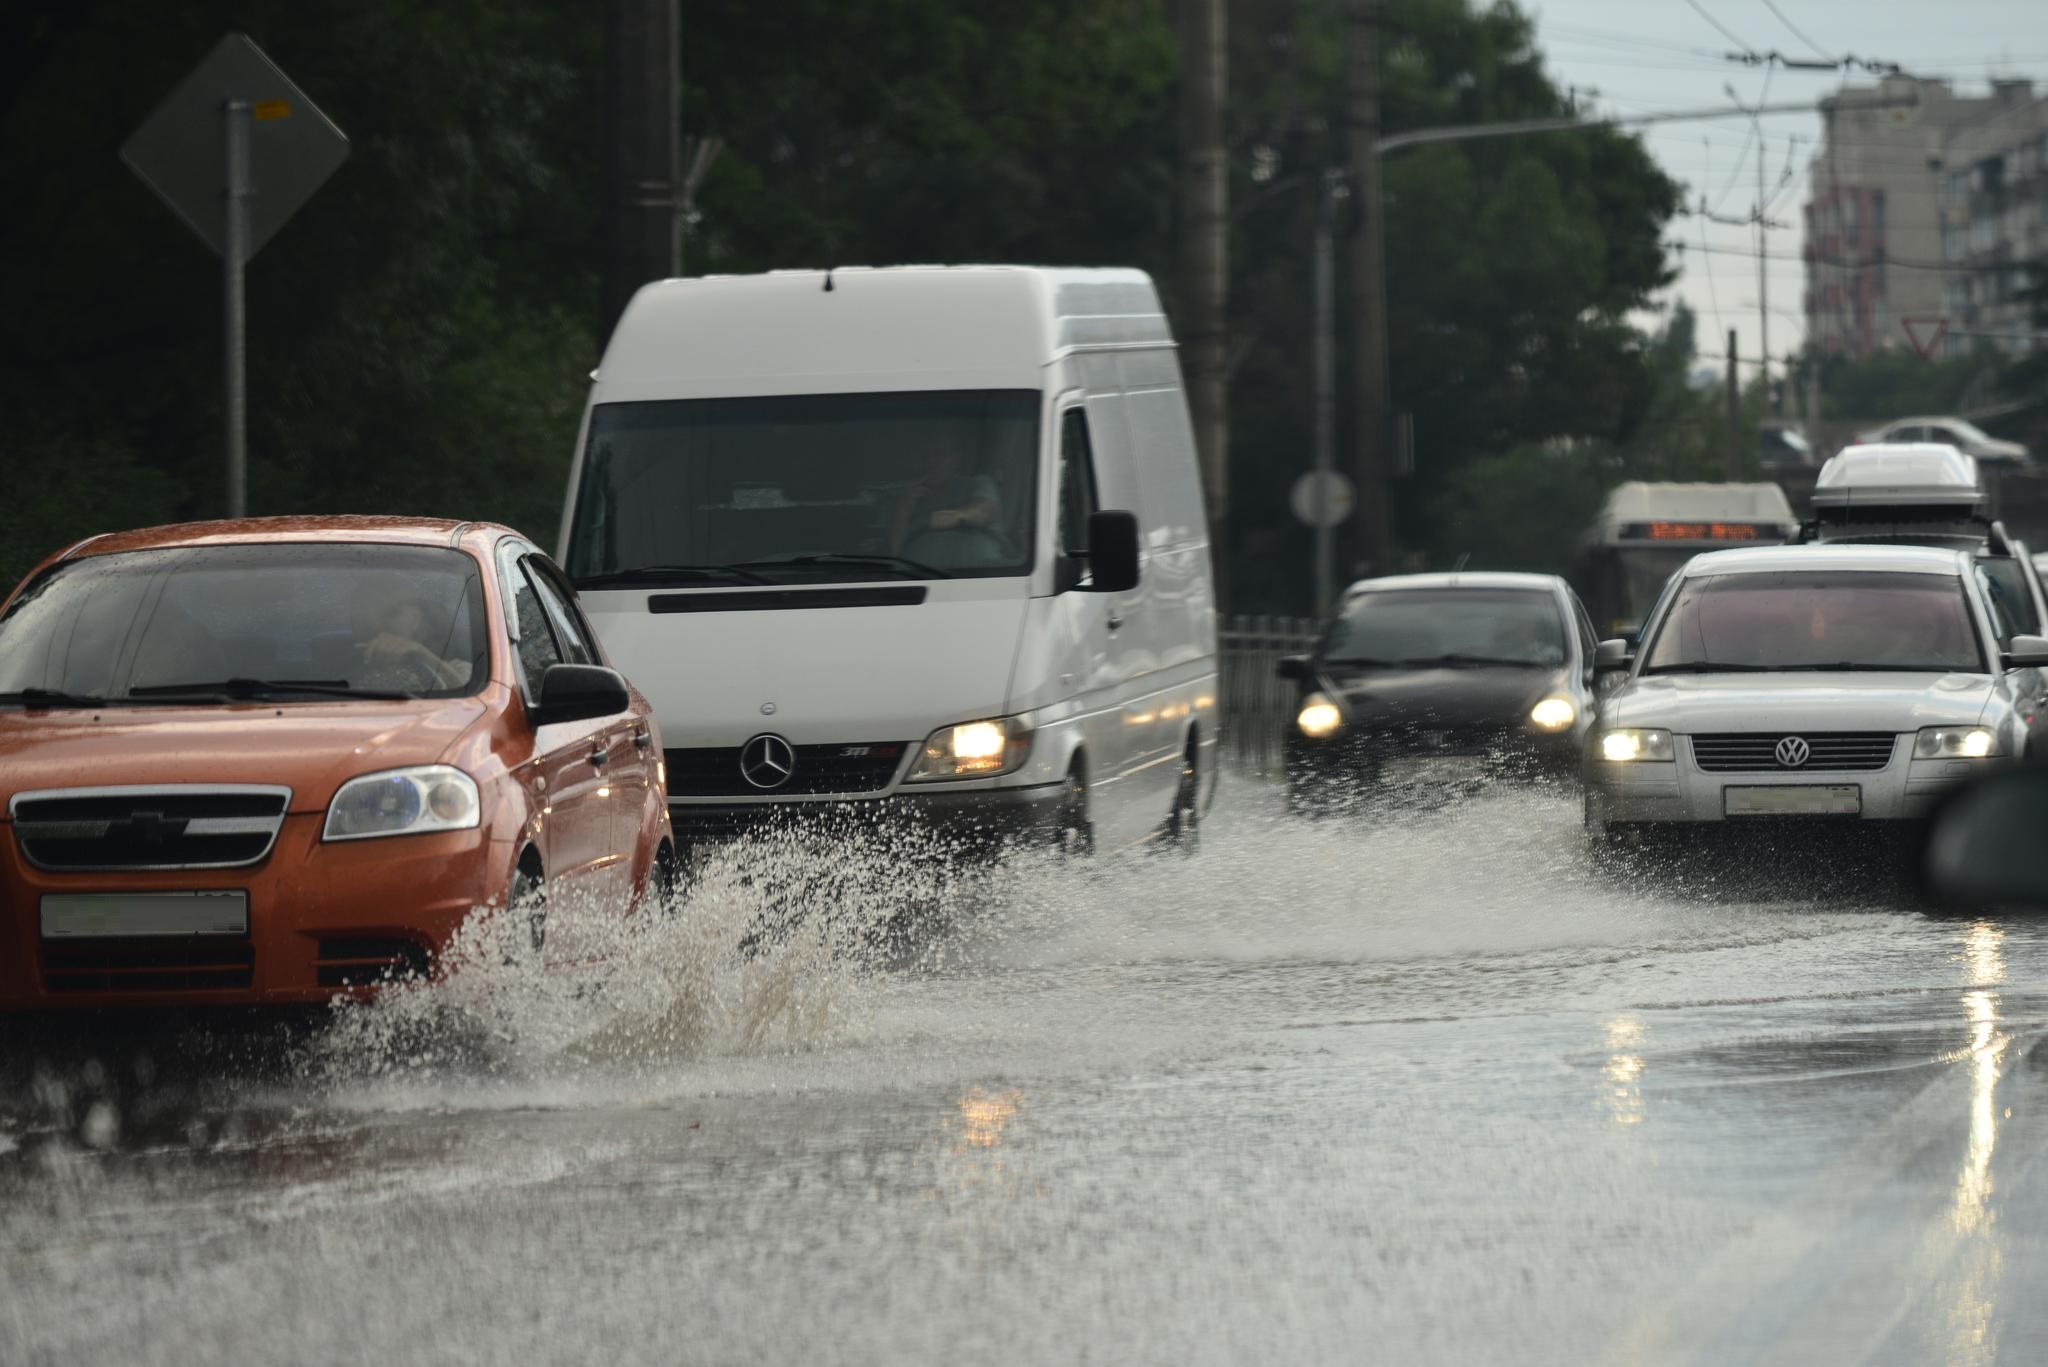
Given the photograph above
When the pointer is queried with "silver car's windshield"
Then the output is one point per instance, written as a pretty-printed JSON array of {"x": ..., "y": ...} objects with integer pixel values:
[{"x": 1806, "y": 620}]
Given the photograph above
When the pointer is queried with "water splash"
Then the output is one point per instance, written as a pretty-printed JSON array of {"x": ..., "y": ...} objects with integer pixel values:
[{"x": 772, "y": 949}]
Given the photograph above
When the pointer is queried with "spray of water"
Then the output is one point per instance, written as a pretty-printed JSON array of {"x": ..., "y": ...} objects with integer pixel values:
[{"x": 772, "y": 948}]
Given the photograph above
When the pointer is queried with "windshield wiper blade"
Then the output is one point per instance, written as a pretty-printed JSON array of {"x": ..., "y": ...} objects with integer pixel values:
[
  {"x": 1707, "y": 667},
  {"x": 659, "y": 574},
  {"x": 901, "y": 564},
  {"x": 1861, "y": 667},
  {"x": 1460, "y": 658},
  {"x": 242, "y": 687},
  {"x": 53, "y": 697}
]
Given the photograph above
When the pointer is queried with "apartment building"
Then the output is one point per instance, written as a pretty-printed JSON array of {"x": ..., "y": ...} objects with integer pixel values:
[
  {"x": 1994, "y": 222},
  {"x": 1875, "y": 214}
]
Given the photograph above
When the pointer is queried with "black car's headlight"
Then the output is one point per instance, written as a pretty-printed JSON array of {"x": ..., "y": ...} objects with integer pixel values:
[
  {"x": 1319, "y": 718},
  {"x": 1554, "y": 713},
  {"x": 416, "y": 801}
]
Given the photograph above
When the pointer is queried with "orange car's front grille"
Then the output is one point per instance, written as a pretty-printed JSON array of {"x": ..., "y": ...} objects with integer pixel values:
[
  {"x": 189, "y": 964},
  {"x": 173, "y": 826}
]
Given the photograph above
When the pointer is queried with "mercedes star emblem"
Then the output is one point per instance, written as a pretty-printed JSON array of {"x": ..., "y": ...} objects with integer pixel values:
[
  {"x": 767, "y": 761},
  {"x": 1793, "y": 751}
]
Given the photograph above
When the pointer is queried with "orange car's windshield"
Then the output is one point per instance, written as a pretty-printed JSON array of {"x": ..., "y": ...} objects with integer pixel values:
[{"x": 289, "y": 622}]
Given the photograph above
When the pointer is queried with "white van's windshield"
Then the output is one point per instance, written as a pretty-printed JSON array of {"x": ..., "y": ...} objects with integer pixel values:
[{"x": 922, "y": 485}]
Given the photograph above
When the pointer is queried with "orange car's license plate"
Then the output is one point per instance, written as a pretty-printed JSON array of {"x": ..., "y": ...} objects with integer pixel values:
[{"x": 129, "y": 915}]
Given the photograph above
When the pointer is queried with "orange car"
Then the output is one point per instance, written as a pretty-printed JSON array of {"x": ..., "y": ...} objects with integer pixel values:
[{"x": 267, "y": 761}]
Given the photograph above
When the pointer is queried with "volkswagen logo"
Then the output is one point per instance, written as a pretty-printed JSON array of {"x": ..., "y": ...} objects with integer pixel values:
[
  {"x": 767, "y": 761},
  {"x": 1793, "y": 751}
]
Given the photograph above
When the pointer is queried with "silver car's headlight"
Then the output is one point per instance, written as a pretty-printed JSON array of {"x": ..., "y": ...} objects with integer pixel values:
[
  {"x": 1635, "y": 745},
  {"x": 1955, "y": 742},
  {"x": 431, "y": 797},
  {"x": 973, "y": 749}
]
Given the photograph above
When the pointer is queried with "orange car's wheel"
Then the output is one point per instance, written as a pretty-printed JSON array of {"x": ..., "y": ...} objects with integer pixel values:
[{"x": 529, "y": 899}]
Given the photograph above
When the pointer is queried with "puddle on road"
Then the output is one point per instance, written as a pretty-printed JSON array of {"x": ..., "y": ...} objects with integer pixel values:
[{"x": 790, "y": 946}]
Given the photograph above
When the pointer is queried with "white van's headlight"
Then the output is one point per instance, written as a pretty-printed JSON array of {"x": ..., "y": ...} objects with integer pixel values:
[
  {"x": 1634, "y": 745},
  {"x": 1554, "y": 714},
  {"x": 1319, "y": 717},
  {"x": 1955, "y": 742},
  {"x": 973, "y": 749},
  {"x": 432, "y": 797}
]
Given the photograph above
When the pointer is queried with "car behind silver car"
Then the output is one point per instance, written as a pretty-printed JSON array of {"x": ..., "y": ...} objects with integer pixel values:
[{"x": 1851, "y": 682}]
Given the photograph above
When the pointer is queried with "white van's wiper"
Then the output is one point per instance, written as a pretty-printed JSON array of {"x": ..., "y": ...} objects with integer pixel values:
[
  {"x": 241, "y": 687},
  {"x": 53, "y": 697},
  {"x": 915, "y": 569},
  {"x": 1708, "y": 667},
  {"x": 671, "y": 574}
]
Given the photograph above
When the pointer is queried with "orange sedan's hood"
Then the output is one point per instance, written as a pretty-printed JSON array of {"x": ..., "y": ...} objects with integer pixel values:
[{"x": 312, "y": 748}]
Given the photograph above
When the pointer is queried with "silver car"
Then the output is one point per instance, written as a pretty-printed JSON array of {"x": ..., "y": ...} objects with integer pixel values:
[
  {"x": 1966, "y": 437},
  {"x": 1811, "y": 681}
]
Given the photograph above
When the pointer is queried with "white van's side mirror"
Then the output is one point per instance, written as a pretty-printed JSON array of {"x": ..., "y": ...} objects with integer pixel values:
[{"x": 1112, "y": 552}]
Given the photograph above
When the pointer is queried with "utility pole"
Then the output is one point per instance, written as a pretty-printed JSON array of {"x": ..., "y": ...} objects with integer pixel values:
[
  {"x": 1763, "y": 279},
  {"x": 1734, "y": 470},
  {"x": 1326, "y": 376},
  {"x": 235, "y": 115},
  {"x": 642, "y": 203},
  {"x": 1205, "y": 261},
  {"x": 1366, "y": 259}
]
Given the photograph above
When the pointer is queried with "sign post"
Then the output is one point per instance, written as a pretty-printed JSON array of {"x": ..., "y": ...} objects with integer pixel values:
[{"x": 234, "y": 150}]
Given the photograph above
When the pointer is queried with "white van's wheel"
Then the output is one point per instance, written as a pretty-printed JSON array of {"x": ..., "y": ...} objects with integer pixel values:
[
  {"x": 1184, "y": 825},
  {"x": 1075, "y": 837}
]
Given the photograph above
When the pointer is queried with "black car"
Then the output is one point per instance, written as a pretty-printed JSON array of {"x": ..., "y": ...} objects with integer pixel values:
[{"x": 1431, "y": 683}]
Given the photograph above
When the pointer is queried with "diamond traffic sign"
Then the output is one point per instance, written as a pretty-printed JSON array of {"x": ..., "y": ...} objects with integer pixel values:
[{"x": 179, "y": 149}]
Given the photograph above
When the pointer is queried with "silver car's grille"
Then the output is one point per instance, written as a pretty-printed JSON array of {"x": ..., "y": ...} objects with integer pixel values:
[
  {"x": 1827, "y": 751},
  {"x": 171, "y": 826}
]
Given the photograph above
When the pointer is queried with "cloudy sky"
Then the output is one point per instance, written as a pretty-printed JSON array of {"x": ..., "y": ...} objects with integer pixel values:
[{"x": 1646, "y": 55}]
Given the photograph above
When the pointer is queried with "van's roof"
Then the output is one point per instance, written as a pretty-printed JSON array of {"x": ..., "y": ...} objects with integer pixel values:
[
  {"x": 871, "y": 329},
  {"x": 1823, "y": 558}
]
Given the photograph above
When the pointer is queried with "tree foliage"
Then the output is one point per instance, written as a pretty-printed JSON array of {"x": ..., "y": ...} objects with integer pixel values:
[{"x": 421, "y": 332}]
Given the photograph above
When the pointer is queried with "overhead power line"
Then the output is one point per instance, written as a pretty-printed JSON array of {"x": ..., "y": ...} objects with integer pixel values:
[
  {"x": 1724, "y": 30},
  {"x": 1792, "y": 28}
]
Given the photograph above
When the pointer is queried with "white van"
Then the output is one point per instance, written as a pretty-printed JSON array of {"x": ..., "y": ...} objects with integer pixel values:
[{"x": 924, "y": 542}]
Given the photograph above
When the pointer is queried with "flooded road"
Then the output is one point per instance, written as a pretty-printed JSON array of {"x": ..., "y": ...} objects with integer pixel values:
[{"x": 1428, "y": 1092}]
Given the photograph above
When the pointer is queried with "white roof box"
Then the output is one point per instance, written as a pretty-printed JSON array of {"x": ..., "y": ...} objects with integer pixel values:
[{"x": 1901, "y": 475}]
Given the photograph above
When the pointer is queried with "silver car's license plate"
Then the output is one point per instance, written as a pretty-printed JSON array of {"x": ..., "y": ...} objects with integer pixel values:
[
  {"x": 1834, "y": 799},
  {"x": 124, "y": 915}
]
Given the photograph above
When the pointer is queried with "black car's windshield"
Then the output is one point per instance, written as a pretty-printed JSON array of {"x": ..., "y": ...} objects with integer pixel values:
[
  {"x": 1817, "y": 621},
  {"x": 292, "y": 622},
  {"x": 810, "y": 486},
  {"x": 1448, "y": 626}
]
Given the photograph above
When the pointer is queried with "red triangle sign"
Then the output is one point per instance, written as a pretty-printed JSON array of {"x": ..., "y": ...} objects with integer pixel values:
[{"x": 1937, "y": 329}]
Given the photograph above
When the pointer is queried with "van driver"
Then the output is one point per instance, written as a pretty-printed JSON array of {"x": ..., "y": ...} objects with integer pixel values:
[{"x": 944, "y": 498}]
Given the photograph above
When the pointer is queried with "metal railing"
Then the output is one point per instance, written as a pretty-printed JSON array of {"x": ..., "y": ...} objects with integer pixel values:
[{"x": 1257, "y": 702}]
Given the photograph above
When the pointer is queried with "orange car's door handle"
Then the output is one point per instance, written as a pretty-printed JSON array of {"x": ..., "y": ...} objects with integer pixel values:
[
  {"x": 641, "y": 740},
  {"x": 599, "y": 754}
]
